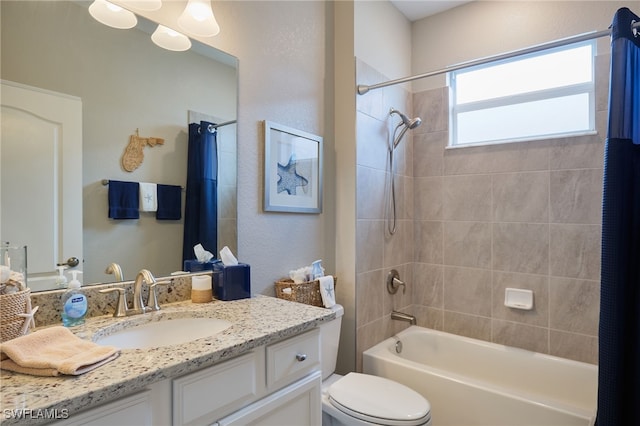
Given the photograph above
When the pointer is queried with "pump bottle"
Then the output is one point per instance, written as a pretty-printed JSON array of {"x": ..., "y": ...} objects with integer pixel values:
[{"x": 74, "y": 303}]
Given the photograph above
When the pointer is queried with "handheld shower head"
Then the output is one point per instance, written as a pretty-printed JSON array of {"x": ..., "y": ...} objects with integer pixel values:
[
  {"x": 403, "y": 117},
  {"x": 414, "y": 122},
  {"x": 408, "y": 123}
]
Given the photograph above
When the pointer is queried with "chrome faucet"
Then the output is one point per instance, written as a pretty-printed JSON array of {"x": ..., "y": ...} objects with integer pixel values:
[
  {"x": 401, "y": 316},
  {"x": 143, "y": 276}
]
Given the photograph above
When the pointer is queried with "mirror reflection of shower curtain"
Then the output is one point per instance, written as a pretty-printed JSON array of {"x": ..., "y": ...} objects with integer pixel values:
[
  {"x": 201, "y": 205},
  {"x": 619, "y": 334}
]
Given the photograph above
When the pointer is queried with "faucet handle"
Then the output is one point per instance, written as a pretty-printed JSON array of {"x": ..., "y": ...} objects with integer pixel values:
[
  {"x": 394, "y": 282},
  {"x": 152, "y": 302},
  {"x": 121, "y": 304}
]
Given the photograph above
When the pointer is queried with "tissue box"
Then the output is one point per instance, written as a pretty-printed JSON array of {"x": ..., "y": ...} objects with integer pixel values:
[
  {"x": 197, "y": 266},
  {"x": 231, "y": 282}
]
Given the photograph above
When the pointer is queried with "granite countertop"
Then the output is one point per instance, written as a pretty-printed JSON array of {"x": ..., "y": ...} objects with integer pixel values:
[{"x": 256, "y": 322}]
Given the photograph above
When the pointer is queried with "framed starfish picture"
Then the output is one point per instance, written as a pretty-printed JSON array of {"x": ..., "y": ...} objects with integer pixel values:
[{"x": 292, "y": 170}]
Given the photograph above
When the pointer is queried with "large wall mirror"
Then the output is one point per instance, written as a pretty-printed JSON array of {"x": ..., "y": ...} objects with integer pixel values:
[{"x": 126, "y": 84}]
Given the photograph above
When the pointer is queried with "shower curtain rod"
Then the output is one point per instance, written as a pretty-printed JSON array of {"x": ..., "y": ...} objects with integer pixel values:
[{"x": 363, "y": 88}]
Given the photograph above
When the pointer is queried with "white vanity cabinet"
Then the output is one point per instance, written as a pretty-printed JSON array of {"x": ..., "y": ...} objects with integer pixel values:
[
  {"x": 279, "y": 381},
  {"x": 297, "y": 404},
  {"x": 136, "y": 409},
  {"x": 273, "y": 385}
]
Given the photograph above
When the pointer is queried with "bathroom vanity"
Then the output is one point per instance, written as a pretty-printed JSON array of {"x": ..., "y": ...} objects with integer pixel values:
[{"x": 264, "y": 369}]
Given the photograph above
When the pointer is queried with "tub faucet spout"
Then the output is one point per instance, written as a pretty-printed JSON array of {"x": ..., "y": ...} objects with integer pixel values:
[{"x": 401, "y": 316}]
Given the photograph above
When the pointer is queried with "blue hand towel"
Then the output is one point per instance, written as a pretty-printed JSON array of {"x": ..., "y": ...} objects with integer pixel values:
[
  {"x": 169, "y": 202},
  {"x": 124, "y": 200}
]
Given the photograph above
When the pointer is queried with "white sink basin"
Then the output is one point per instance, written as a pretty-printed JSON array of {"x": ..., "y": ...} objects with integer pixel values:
[{"x": 164, "y": 333}]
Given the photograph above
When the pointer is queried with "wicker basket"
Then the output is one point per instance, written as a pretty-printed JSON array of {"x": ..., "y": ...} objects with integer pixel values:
[
  {"x": 10, "y": 306},
  {"x": 307, "y": 292}
]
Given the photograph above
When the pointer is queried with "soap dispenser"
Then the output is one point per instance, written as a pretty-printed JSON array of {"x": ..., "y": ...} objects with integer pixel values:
[
  {"x": 61, "y": 280},
  {"x": 74, "y": 303}
]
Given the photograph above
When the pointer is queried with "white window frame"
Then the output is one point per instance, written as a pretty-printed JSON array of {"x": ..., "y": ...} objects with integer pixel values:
[{"x": 575, "y": 89}]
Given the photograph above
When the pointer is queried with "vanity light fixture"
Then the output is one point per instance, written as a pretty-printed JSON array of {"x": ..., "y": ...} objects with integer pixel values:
[
  {"x": 169, "y": 39},
  {"x": 148, "y": 5},
  {"x": 112, "y": 15},
  {"x": 197, "y": 19}
]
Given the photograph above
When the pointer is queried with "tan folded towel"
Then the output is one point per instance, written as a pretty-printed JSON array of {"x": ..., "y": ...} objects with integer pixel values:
[{"x": 52, "y": 351}]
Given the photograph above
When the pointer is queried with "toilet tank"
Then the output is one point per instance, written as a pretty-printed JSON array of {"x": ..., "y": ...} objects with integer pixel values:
[{"x": 329, "y": 339}]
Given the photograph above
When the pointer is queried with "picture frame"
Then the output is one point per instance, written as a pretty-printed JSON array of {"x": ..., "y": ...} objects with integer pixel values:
[{"x": 292, "y": 170}]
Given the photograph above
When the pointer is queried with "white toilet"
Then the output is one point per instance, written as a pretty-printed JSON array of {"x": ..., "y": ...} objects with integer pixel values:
[{"x": 362, "y": 399}]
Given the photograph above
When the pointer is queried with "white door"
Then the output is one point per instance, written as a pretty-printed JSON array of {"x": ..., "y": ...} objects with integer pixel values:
[{"x": 41, "y": 178}]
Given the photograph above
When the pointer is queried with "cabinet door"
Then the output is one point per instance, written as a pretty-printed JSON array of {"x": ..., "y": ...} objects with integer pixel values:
[
  {"x": 131, "y": 410},
  {"x": 297, "y": 404},
  {"x": 203, "y": 396}
]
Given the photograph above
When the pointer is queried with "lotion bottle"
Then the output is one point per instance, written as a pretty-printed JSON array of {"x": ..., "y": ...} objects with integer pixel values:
[{"x": 74, "y": 303}]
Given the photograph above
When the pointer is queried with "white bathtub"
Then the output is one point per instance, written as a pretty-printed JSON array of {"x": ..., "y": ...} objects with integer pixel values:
[{"x": 472, "y": 382}]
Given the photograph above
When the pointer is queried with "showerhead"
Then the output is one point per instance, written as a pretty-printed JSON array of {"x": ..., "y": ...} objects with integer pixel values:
[
  {"x": 414, "y": 122},
  {"x": 409, "y": 123},
  {"x": 404, "y": 118}
]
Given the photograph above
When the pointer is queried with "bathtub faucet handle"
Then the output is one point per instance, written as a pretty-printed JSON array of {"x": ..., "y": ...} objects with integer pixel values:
[{"x": 394, "y": 282}]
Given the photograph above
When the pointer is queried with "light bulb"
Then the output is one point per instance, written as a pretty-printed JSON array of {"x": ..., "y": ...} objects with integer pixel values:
[
  {"x": 112, "y": 15},
  {"x": 169, "y": 39},
  {"x": 197, "y": 19}
]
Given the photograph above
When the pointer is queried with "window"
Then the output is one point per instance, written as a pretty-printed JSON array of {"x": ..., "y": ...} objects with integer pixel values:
[{"x": 541, "y": 95}]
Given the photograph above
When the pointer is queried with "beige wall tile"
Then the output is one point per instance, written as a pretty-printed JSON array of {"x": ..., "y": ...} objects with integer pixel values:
[
  {"x": 370, "y": 192},
  {"x": 574, "y": 305},
  {"x": 367, "y": 336},
  {"x": 428, "y": 198},
  {"x": 369, "y": 244},
  {"x": 521, "y": 336},
  {"x": 513, "y": 157},
  {"x": 575, "y": 251},
  {"x": 409, "y": 209},
  {"x": 429, "y": 317},
  {"x": 369, "y": 295},
  {"x": 467, "y": 244},
  {"x": 576, "y": 196},
  {"x": 602, "y": 65},
  {"x": 467, "y": 197},
  {"x": 521, "y": 197},
  {"x": 428, "y": 241},
  {"x": 467, "y": 325},
  {"x": 428, "y": 284},
  {"x": 583, "y": 152},
  {"x": 396, "y": 246},
  {"x": 433, "y": 107},
  {"x": 539, "y": 284},
  {"x": 521, "y": 247},
  {"x": 574, "y": 346},
  {"x": 428, "y": 153},
  {"x": 467, "y": 290}
]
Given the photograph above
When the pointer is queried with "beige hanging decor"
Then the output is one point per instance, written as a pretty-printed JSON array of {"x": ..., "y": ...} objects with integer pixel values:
[{"x": 133, "y": 155}]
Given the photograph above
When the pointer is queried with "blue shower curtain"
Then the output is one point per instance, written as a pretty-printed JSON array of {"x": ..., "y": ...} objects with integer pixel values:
[
  {"x": 201, "y": 205},
  {"x": 619, "y": 338}
]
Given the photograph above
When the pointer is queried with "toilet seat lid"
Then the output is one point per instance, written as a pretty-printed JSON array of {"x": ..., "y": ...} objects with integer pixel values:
[{"x": 379, "y": 400}]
